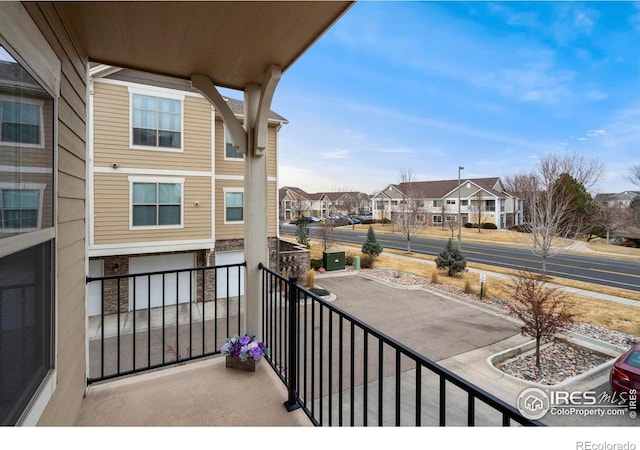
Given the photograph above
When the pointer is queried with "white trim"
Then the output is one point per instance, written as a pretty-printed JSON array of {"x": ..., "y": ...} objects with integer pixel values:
[
  {"x": 150, "y": 247},
  {"x": 156, "y": 180},
  {"x": 27, "y": 101},
  {"x": 19, "y": 242},
  {"x": 147, "y": 87},
  {"x": 230, "y": 177},
  {"x": 152, "y": 91},
  {"x": 40, "y": 400},
  {"x": 213, "y": 171},
  {"x": 231, "y": 190},
  {"x": 24, "y": 38},
  {"x": 151, "y": 172}
]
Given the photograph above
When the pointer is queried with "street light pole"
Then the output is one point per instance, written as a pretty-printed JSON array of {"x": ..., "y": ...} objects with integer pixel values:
[{"x": 459, "y": 213}]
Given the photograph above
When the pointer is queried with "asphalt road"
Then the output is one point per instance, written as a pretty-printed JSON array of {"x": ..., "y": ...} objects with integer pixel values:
[{"x": 616, "y": 273}]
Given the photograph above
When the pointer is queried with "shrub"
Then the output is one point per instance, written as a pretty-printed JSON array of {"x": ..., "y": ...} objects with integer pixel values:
[
  {"x": 451, "y": 259},
  {"x": 489, "y": 226},
  {"x": 348, "y": 259},
  {"x": 316, "y": 264},
  {"x": 520, "y": 228},
  {"x": 371, "y": 245},
  {"x": 434, "y": 277},
  {"x": 468, "y": 225},
  {"x": 309, "y": 279},
  {"x": 366, "y": 261},
  {"x": 467, "y": 287}
]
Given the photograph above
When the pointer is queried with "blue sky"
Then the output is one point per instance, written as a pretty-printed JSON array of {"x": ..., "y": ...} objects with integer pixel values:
[{"x": 491, "y": 86}]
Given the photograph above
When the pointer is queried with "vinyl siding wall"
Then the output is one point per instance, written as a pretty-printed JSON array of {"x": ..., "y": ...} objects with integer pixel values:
[
  {"x": 112, "y": 189},
  {"x": 63, "y": 407},
  {"x": 112, "y": 211}
]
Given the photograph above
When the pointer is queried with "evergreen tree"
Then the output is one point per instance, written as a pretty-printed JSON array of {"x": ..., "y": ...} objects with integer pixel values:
[
  {"x": 451, "y": 259},
  {"x": 302, "y": 233},
  {"x": 371, "y": 245}
]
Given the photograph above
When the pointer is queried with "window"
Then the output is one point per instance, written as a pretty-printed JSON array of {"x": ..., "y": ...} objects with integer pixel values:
[
  {"x": 156, "y": 121},
  {"x": 230, "y": 150},
  {"x": 464, "y": 202},
  {"x": 20, "y": 121},
  {"x": 437, "y": 219},
  {"x": 27, "y": 271},
  {"x": 20, "y": 208},
  {"x": 451, "y": 202},
  {"x": 437, "y": 204},
  {"x": 233, "y": 206},
  {"x": 156, "y": 204},
  {"x": 451, "y": 218}
]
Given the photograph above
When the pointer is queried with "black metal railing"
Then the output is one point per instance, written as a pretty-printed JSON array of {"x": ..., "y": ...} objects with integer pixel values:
[
  {"x": 342, "y": 372},
  {"x": 154, "y": 319}
]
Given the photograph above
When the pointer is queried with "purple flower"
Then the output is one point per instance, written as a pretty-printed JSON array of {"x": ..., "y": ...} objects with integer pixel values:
[
  {"x": 244, "y": 340},
  {"x": 255, "y": 353},
  {"x": 226, "y": 348}
]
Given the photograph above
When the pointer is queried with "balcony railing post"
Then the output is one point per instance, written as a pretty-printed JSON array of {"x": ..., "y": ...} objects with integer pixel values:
[{"x": 292, "y": 364}]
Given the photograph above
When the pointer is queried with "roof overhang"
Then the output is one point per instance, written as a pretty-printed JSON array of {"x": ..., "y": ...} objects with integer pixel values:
[{"x": 232, "y": 42}]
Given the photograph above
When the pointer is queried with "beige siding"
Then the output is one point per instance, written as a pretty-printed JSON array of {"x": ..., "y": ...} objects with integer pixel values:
[
  {"x": 112, "y": 134},
  {"x": 272, "y": 201},
  {"x": 111, "y": 212},
  {"x": 70, "y": 312}
]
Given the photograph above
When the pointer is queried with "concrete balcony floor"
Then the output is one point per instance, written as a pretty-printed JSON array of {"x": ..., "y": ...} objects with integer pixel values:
[{"x": 201, "y": 393}]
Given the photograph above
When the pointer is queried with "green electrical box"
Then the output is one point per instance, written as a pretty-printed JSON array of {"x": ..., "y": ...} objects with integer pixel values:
[{"x": 333, "y": 260}]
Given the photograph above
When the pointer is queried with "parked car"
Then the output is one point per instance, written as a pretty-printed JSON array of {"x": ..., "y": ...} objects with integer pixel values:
[
  {"x": 625, "y": 373},
  {"x": 356, "y": 220}
]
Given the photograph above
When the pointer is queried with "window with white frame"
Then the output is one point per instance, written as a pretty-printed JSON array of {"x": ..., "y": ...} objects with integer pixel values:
[
  {"x": 156, "y": 121},
  {"x": 21, "y": 121},
  {"x": 20, "y": 207},
  {"x": 451, "y": 218},
  {"x": 233, "y": 205},
  {"x": 451, "y": 202},
  {"x": 230, "y": 150},
  {"x": 437, "y": 204},
  {"x": 464, "y": 202},
  {"x": 156, "y": 204},
  {"x": 437, "y": 219},
  {"x": 28, "y": 233}
]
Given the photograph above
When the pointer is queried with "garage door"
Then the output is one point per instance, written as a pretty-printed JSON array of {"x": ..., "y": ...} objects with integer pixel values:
[
  {"x": 229, "y": 280},
  {"x": 149, "y": 289},
  {"x": 94, "y": 289}
]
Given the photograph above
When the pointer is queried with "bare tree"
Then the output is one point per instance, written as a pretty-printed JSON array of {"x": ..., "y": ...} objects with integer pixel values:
[
  {"x": 325, "y": 232},
  {"x": 550, "y": 200},
  {"x": 634, "y": 174},
  {"x": 543, "y": 310},
  {"x": 611, "y": 218},
  {"x": 409, "y": 207},
  {"x": 478, "y": 209}
]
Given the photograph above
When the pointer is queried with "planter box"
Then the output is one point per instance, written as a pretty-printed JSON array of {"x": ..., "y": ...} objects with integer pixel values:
[{"x": 250, "y": 365}]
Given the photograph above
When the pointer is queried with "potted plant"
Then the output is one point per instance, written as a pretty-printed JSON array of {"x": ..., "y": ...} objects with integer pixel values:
[{"x": 243, "y": 352}]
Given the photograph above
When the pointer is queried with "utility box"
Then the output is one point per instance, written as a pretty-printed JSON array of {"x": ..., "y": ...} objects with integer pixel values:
[{"x": 333, "y": 260}]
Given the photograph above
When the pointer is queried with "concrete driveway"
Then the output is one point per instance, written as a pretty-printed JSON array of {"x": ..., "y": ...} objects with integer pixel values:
[{"x": 435, "y": 325}]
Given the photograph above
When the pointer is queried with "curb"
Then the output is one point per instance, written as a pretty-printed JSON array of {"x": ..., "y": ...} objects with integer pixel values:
[{"x": 570, "y": 383}]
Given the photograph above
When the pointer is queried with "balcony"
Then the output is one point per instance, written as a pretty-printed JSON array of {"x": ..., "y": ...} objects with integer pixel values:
[{"x": 325, "y": 366}]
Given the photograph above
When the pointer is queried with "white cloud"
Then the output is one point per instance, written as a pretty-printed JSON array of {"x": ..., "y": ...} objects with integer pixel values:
[{"x": 335, "y": 154}]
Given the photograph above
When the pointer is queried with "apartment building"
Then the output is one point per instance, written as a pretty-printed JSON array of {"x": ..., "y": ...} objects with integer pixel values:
[{"x": 166, "y": 186}]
